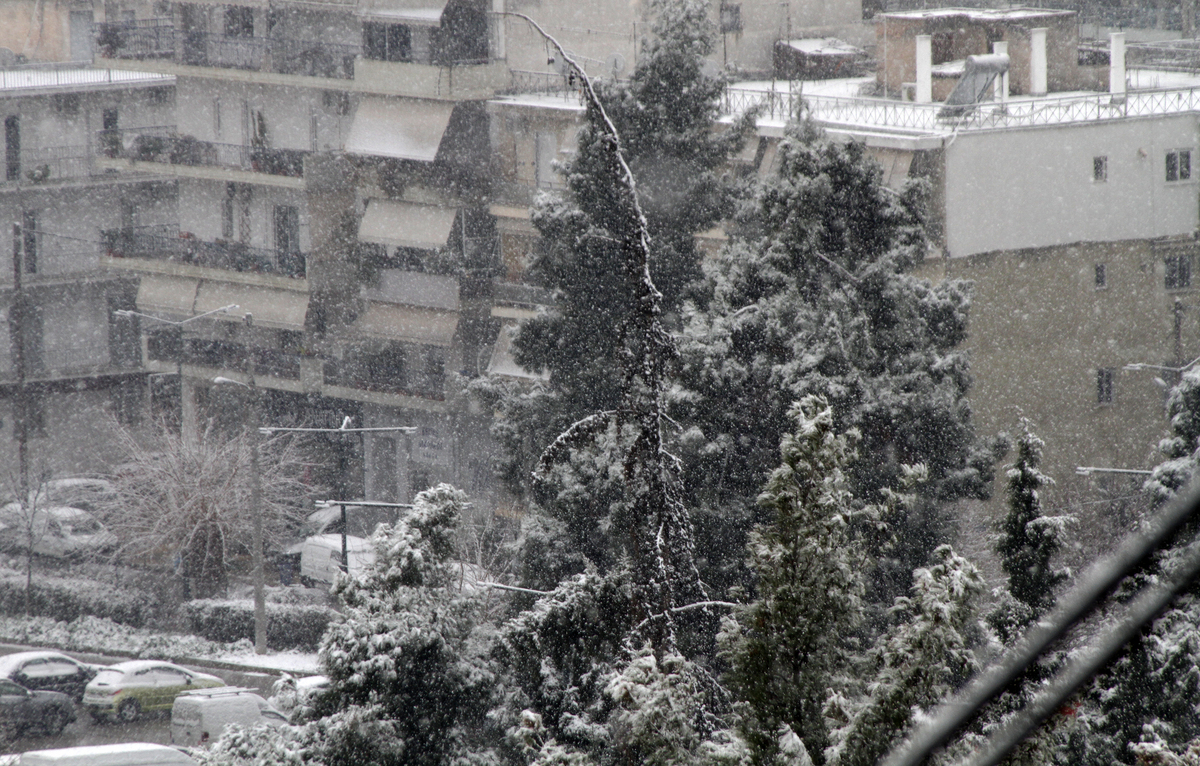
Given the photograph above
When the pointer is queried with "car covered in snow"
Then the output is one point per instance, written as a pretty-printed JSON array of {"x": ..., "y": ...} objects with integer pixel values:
[
  {"x": 48, "y": 671},
  {"x": 23, "y": 710},
  {"x": 321, "y": 557},
  {"x": 124, "y": 754},
  {"x": 126, "y": 690},
  {"x": 57, "y": 531},
  {"x": 199, "y": 717}
]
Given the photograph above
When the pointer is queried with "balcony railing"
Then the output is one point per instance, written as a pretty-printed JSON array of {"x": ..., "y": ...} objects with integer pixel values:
[
  {"x": 356, "y": 373},
  {"x": 49, "y": 164},
  {"x": 167, "y": 243},
  {"x": 162, "y": 144},
  {"x": 158, "y": 38},
  {"x": 937, "y": 118}
]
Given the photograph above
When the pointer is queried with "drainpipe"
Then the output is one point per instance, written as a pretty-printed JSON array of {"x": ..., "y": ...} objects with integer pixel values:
[
  {"x": 1037, "y": 61},
  {"x": 924, "y": 93},
  {"x": 1116, "y": 66},
  {"x": 1000, "y": 86}
]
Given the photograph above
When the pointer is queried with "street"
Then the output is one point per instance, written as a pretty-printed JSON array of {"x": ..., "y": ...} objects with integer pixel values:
[{"x": 151, "y": 728}]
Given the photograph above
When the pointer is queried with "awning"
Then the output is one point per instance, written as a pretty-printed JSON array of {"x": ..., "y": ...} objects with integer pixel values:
[
  {"x": 418, "y": 12},
  {"x": 408, "y": 324},
  {"x": 413, "y": 288},
  {"x": 895, "y": 162},
  {"x": 406, "y": 224},
  {"x": 512, "y": 219},
  {"x": 171, "y": 295},
  {"x": 407, "y": 129},
  {"x": 279, "y": 309},
  {"x": 502, "y": 362}
]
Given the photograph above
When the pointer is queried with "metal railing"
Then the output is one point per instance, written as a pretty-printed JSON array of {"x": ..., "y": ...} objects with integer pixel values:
[
  {"x": 50, "y": 164},
  {"x": 936, "y": 118},
  {"x": 163, "y": 144},
  {"x": 158, "y": 38},
  {"x": 167, "y": 243}
]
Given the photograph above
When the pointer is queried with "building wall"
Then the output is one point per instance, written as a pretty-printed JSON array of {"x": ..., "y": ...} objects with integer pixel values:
[
  {"x": 1007, "y": 190},
  {"x": 290, "y": 114},
  {"x": 201, "y": 204}
]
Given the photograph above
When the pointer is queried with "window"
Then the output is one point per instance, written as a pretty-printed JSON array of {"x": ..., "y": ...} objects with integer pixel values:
[
  {"x": 1101, "y": 276},
  {"x": 1179, "y": 165},
  {"x": 387, "y": 42},
  {"x": 1104, "y": 385},
  {"x": 12, "y": 148},
  {"x": 239, "y": 21},
  {"x": 30, "y": 238},
  {"x": 1177, "y": 272},
  {"x": 287, "y": 229},
  {"x": 1100, "y": 169}
]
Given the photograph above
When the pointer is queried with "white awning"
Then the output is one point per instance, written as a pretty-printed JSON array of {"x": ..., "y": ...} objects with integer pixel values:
[
  {"x": 171, "y": 295},
  {"x": 408, "y": 324},
  {"x": 406, "y": 224},
  {"x": 502, "y": 362},
  {"x": 417, "y": 12},
  {"x": 407, "y": 129},
  {"x": 271, "y": 307},
  {"x": 413, "y": 288}
]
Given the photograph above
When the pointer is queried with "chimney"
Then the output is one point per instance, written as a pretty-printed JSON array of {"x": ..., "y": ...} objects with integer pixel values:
[
  {"x": 924, "y": 69},
  {"x": 1000, "y": 87},
  {"x": 1037, "y": 61},
  {"x": 1116, "y": 66}
]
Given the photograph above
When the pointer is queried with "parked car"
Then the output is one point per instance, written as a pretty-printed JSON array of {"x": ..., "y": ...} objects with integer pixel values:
[
  {"x": 57, "y": 531},
  {"x": 125, "y": 754},
  {"x": 90, "y": 494},
  {"x": 199, "y": 717},
  {"x": 289, "y": 694},
  {"x": 321, "y": 557},
  {"x": 49, "y": 671},
  {"x": 22, "y": 710},
  {"x": 128, "y": 689}
]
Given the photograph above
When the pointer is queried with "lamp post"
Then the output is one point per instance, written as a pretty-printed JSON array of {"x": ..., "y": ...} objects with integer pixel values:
[{"x": 256, "y": 510}]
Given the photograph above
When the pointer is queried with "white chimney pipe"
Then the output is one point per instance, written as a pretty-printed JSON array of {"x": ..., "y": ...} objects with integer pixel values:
[
  {"x": 1000, "y": 87},
  {"x": 1116, "y": 66},
  {"x": 924, "y": 69},
  {"x": 1037, "y": 61}
]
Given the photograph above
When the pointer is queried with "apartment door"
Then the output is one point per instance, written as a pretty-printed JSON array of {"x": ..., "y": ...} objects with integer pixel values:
[{"x": 12, "y": 148}]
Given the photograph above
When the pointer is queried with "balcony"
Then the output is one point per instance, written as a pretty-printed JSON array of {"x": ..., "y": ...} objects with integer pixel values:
[
  {"x": 48, "y": 165},
  {"x": 162, "y": 144},
  {"x": 157, "y": 39},
  {"x": 167, "y": 243},
  {"x": 384, "y": 376}
]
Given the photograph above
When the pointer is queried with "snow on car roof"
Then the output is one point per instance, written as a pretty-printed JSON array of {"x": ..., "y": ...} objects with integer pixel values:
[{"x": 9, "y": 661}]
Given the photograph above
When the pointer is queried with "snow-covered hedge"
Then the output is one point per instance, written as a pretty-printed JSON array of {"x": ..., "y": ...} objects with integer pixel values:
[
  {"x": 289, "y": 626},
  {"x": 95, "y": 634},
  {"x": 67, "y": 599}
]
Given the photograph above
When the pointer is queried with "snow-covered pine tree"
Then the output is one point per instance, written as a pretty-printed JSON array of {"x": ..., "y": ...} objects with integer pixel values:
[
  {"x": 410, "y": 682},
  {"x": 785, "y": 647},
  {"x": 816, "y": 294},
  {"x": 1151, "y": 693},
  {"x": 664, "y": 116},
  {"x": 924, "y": 657},
  {"x": 1028, "y": 541}
]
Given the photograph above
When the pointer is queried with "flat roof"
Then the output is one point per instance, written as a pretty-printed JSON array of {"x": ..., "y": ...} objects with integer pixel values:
[{"x": 77, "y": 79}]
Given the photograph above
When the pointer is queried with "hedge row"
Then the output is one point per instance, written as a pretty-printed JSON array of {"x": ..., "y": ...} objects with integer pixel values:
[
  {"x": 289, "y": 626},
  {"x": 65, "y": 601}
]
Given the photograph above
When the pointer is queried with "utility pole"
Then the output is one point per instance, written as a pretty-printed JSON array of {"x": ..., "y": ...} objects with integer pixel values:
[
  {"x": 256, "y": 501},
  {"x": 16, "y": 334}
]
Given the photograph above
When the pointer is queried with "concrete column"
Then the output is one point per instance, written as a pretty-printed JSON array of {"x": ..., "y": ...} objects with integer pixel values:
[
  {"x": 1037, "y": 62},
  {"x": 924, "y": 93},
  {"x": 1116, "y": 67},
  {"x": 187, "y": 409},
  {"x": 1000, "y": 86}
]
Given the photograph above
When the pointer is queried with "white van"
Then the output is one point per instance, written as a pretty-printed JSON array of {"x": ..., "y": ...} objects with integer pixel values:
[
  {"x": 321, "y": 557},
  {"x": 200, "y": 716},
  {"x": 127, "y": 754}
]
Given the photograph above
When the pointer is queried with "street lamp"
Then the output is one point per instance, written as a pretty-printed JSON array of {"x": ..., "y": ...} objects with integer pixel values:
[{"x": 256, "y": 509}]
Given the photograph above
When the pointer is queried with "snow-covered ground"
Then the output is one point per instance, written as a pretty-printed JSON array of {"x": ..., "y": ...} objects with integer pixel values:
[{"x": 101, "y": 636}]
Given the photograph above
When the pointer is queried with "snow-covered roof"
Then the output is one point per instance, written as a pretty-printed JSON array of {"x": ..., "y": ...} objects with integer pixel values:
[
  {"x": 979, "y": 14},
  {"x": 823, "y": 46}
]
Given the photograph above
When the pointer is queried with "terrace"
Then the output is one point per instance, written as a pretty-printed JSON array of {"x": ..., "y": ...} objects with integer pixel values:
[
  {"x": 163, "y": 145},
  {"x": 167, "y": 243}
]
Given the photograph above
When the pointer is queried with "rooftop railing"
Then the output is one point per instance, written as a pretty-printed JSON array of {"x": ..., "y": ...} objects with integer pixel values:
[
  {"x": 167, "y": 243},
  {"x": 864, "y": 112}
]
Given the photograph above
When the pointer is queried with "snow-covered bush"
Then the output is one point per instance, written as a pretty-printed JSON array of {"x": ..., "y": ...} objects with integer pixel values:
[
  {"x": 68, "y": 599},
  {"x": 288, "y": 626}
]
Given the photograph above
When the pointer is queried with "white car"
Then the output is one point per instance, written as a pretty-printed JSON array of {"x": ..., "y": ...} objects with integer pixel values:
[
  {"x": 128, "y": 689},
  {"x": 56, "y": 531},
  {"x": 321, "y": 557},
  {"x": 199, "y": 717}
]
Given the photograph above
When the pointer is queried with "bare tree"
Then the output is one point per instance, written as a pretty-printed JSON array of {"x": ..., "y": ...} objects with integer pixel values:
[
  {"x": 26, "y": 520},
  {"x": 191, "y": 498}
]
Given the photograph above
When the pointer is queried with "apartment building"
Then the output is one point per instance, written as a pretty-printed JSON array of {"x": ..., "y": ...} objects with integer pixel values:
[
  {"x": 79, "y": 364},
  {"x": 1066, "y": 192}
]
